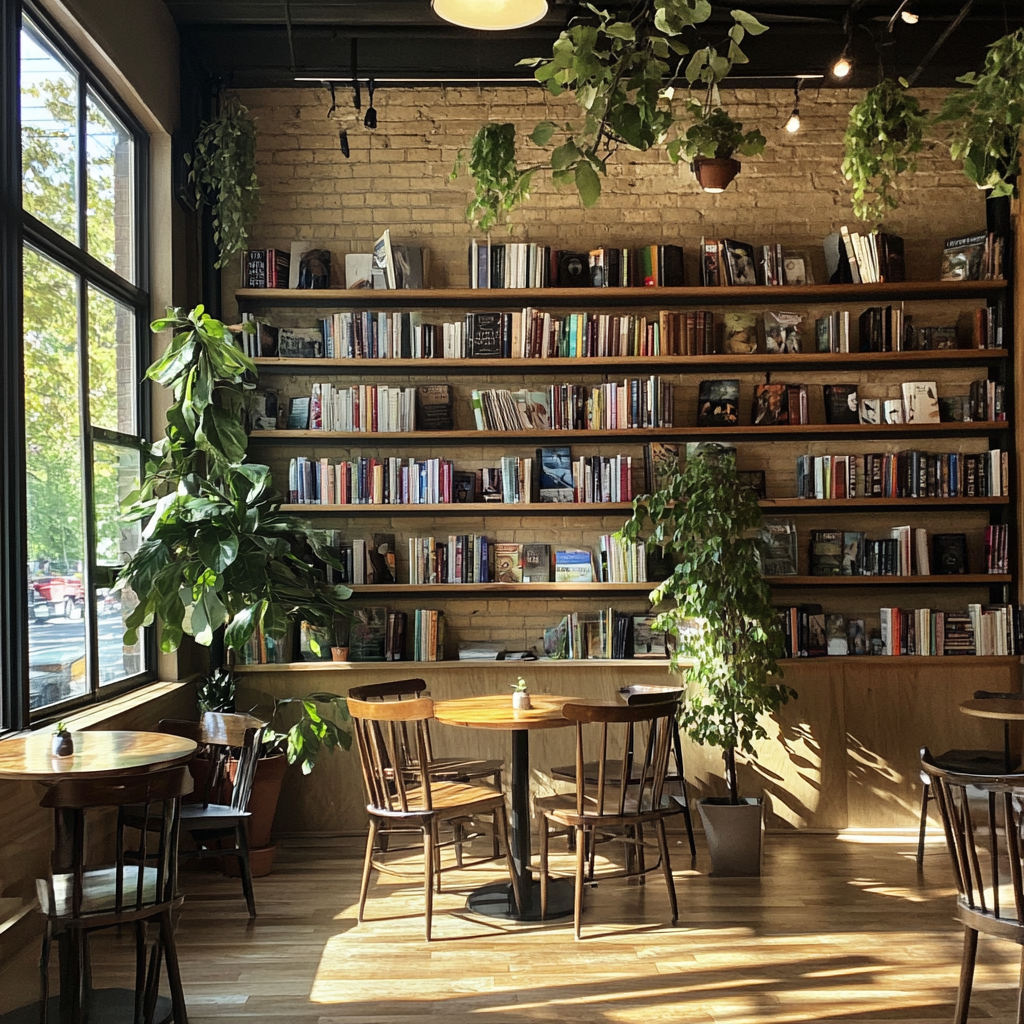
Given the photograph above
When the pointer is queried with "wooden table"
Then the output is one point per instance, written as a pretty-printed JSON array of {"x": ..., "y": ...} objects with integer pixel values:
[
  {"x": 1003, "y": 709},
  {"x": 98, "y": 755},
  {"x": 496, "y": 712}
]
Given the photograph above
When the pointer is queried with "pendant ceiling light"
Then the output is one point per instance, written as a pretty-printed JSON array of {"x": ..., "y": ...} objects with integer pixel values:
[{"x": 491, "y": 15}]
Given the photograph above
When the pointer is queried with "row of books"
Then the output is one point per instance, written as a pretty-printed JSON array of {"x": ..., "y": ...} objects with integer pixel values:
[
  {"x": 602, "y": 635},
  {"x": 620, "y": 560},
  {"x": 977, "y": 257},
  {"x": 528, "y": 265},
  {"x": 866, "y": 259},
  {"x": 367, "y": 408},
  {"x": 905, "y": 474},
  {"x": 634, "y": 404},
  {"x": 378, "y": 634},
  {"x": 997, "y": 548}
]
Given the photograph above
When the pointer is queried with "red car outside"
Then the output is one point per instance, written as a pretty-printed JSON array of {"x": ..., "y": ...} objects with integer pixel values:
[{"x": 50, "y": 596}]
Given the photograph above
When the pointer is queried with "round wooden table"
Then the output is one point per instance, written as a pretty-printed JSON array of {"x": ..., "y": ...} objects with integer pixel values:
[
  {"x": 1003, "y": 709},
  {"x": 98, "y": 755},
  {"x": 496, "y": 712}
]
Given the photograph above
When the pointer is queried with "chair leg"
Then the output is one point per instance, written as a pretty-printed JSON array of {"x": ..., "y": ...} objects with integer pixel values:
[
  {"x": 495, "y": 845},
  {"x": 640, "y": 862},
  {"x": 501, "y": 818},
  {"x": 459, "y": 835},
  {"x": 543, "y": 866},
  {"x": 367, "y": 867},
  {"x": 963, "y": 992},
  {"x": 1020, "y": 992},
  {"x": 44, "y": 975},
  {"x": 666, "y": 867},
  {"x": 153, "y": 982},
  {"x": 581, "y": 857},
  {"x": 173, "y": 973},
  {"x": 428, "y": 874},
  {"x": 242, "y": 842},
  {"x": 437, "y": 856},
  {"x": 677, "y": 746},
  {"x": 925, "y": 797},
  {"x": 140, "y": 970}
]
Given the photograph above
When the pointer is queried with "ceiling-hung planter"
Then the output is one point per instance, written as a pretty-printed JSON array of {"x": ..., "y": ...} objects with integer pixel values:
[
  {"x": 491, "y": 15},
  {"x": 713, "y": 174}
]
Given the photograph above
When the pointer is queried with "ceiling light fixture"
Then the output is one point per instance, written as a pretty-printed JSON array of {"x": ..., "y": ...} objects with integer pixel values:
[
  {"x": 909, "y": 17},
  {"x": 843, "y": 66},
  {"x": 491, "y": 15},
  {"x": 793, "y": 124},
  {"x": 905, "y": 13}
]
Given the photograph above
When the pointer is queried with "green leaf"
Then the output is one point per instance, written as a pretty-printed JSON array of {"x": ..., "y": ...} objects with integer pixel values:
[
  {"x": 749, "y": 22},
  {"x": 588, "y": 183},
  {"x": 621, "y": 30},
  {"x": 564, "y": 155},
  {"x": 541, "y": 135}
]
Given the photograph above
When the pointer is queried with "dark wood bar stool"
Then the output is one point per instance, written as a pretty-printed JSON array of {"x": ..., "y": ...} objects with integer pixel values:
[{"x": 139, "y": 888}]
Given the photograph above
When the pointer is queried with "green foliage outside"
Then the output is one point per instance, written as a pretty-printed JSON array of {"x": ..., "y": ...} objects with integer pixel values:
[
  {"x": 722, "y": 615},
  {"x": 621, "y": 72}
]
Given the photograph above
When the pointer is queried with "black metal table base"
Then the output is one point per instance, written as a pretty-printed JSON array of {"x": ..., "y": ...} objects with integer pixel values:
[
  {"x": 105, "y": 1006},
  {"x": 496, "y": 900}
]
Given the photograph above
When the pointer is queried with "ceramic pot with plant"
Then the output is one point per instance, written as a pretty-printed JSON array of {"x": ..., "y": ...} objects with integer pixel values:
[
  {"x": 520, "y": 695},
  {"x": 63, "y": 743},
  {"x": 710, "y": 142}
]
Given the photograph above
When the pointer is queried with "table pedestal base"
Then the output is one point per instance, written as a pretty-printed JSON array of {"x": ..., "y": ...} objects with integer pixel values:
[
  {"x": 496, "y": 900},
  {"x": 105, "y": 1006}
]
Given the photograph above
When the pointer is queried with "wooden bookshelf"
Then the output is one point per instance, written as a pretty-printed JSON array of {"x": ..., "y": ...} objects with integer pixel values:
[
  {"x": 397, "y": 590},
  {"x": 963, "y": 580}
]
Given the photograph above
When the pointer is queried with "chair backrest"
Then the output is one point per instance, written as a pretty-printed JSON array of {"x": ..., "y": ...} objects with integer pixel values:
[
  {"x": 383, "y": 731},
  {"x": 398, "y": 689},
  {"x": 640, "y": 693},
  {"x": 640, "y": 782},
  {"x": 225, "y": 736},
  {"x": 155, "y": 800},
  {"x": 974, "y": 847}
]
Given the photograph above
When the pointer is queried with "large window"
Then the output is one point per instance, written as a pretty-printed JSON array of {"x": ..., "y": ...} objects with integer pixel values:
[{"x": 84, "y": 314}]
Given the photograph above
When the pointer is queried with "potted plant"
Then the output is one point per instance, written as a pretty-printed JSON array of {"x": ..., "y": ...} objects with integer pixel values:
[
  {"x": 620, "y": 68},
  {"x": 222, "y": 172},
  {"x": 987, "y": 118},
  {"x": 723, "y": 620},
  {"x": 710, "y": 142},
  {"x": 883, "y": 134},
  {"x": 520, "y": 695}
]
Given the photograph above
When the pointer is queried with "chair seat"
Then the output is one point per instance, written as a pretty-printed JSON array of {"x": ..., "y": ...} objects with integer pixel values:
[
  {"x": 612, "y": 773},
  {"x": 562, "y": 808},
  {"x": 457, "y": 797},
  {"x": 973, "y": 762},
  {"x": 99, "y": 890},
  {"x": 212, "y": 816},
  {"x": 464, "y": 767}
]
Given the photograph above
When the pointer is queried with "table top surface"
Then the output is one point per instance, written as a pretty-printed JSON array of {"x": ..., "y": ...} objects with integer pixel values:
[
  {"x": 495, "y": 711},
  {"x": 1004, "y": 708},
  {"x": 97, "y": 755}
]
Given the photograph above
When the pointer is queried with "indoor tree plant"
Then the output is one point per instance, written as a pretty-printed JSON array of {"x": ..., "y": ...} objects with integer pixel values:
[
  {"x": 884, "y": 132},
  {"x": 727, "y": 634},
  {"x": 222, "y": 172},
  {"x": 621, "y": 72}
]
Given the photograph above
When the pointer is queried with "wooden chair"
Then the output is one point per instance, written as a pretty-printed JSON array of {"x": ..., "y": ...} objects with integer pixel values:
[
  {"x": 622, "y": 808},
  {"x": 990, "y": 891},
  {"x": 454, "y": 769},
  {"x": 385, "y": 732},
  {"x": 634, "y": 695},
  {"x": 140, "y": 887},
  {"x": 968, "y": 762},
  {"x": 226, "y": 737}
]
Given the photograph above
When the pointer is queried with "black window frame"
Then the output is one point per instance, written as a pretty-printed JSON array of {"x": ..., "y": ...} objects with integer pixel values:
[{"x": 19, "y": 230}]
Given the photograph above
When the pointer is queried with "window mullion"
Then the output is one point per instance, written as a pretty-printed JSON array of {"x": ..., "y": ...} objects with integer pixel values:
[{"x": 92, "y": 663}]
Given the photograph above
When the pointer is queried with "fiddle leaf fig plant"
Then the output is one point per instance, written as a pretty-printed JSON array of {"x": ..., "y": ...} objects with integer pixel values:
[
  {"x": 223, "y": 175},
  {"x": 987, "y": 117},
  {"x": 620, "y": 70},
  {"x": 883, "y": 134},
  {"x": 313, "y": 732},
  {"x": 216, "y": 549},
  {"x": 720, "y": 612}
]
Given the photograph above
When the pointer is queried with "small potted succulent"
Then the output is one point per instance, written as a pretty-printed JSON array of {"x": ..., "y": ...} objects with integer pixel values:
[
  {"x": 63, "y": 744},
  {"x": 520, "y": 695}
]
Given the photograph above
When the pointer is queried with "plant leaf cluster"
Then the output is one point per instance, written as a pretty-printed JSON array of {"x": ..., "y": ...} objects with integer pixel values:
[
  {"x": 313, "y": 732},
  {"x": 216, "y": 549},
  {"x": 223, "y": 175},
  {"x": 722, "y": 615},
  {"x": 987, "y": 117},
  {"x": 883, "y": 133},
  {"x": 620, "y": 70}
]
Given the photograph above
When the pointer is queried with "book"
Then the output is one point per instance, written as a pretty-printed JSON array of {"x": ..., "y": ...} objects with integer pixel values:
[
  {"x": 298, "y": 414},
  {"x": 574, "y": 565},
  {"x": 856, "y": 637},
  {"x": 841, "y": 403},
  {"x": 646, "y": 642},
  {"x": 782, "y": 332},
  {"x": 508, "y": 562},
  {"x": 366, "y": 637},
  {"x": 836, "y": 636},
  {"x": 300, "y": 343},
  {"x": 555, "y": 476},
  {"x": 740, "y": 333},
  {"x": 770, "y": 405},
  {"x": 394, "y": 636},
  {"x": 384, "y": 259},
  {"x": 853, "y": 552},
  {"x": 381, "y": 556},
  {"x": 434, "y": 407},
  {"x": 777, "y": 546},
  {"x": 718, "y": 403},
  {"x": 740, "y": 263},
  {"x": 463, "y": 487},
  {"x": 309, "y": 265},
  {"x": 359, "y": 270},
  {"x": 266, "y": 268},
  {"x": 660, "y": 459},
  {"x": 536, "y": 563},
  {"x": 920, "y": 404},
  {"x": 949, "y": 554},
  {"x": 489, "y": 484},
  {"x": 963, "y": 258},
  {"x": 573, "y": 270},
  {"x": 484, "y": 334},
  {"x": 826, "y": 557}
]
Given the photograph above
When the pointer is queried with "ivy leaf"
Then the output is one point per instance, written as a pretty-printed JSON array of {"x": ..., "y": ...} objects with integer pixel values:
[
  {"x": 588, "y": 183},
  {"x": 564, "y": 155},
  {"x": 621, "y": 30},
  {"x": 749, "y": 22}
]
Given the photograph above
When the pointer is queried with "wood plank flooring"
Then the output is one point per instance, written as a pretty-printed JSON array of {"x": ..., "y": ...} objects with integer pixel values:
[{"x": 837, "y": 929}]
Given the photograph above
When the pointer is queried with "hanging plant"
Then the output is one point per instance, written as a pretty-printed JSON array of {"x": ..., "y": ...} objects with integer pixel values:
[
  {"x": 716, "y": 135},
  {"x": 621, "y": 74},
  {"x": 884, "y": 132},
  {"x": 987, "y": 117},
  {"x": 223, "y": 174}
]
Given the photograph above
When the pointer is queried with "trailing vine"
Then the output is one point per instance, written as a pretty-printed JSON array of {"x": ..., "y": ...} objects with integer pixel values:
[{"x": 223, "y": 175}]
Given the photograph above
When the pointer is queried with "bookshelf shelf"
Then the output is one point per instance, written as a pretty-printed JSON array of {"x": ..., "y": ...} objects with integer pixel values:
[
  {"x": 505, "y": 589},
  {"x": 800, "y": 432},
  {"x": 703, "y": 365},
  {"x": 772, "y": 505},
  {"x": 615, "y": 298},
  {"x": 966, "y": 579},
  {"x": 660, "y": 665}
]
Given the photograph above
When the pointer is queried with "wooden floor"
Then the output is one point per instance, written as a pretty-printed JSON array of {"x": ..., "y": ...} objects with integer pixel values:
[{"x": 835, "y": 930}]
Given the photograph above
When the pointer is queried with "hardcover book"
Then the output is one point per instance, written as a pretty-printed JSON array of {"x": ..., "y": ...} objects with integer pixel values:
[
  {"x": 782, "y": 332},
  {"x": 856, "y": 637},
  {"x": 300, "y": 343},
  {"x": 853, "y": 552},
  {"x": 962, "y": 258},
  {"x": 920, "y": 404},
  {"x": 555, "y": 474},
  {"x": 536, "y": 563},
  {"x": 463, "y": 487},
  {"x": 826, "y": 553},
  {"x": 949, "y": 554},
  {"x": 298, "y": 414},
  {"x": 718, "y": 403},
  {"x": 776, "y": 544},
  {"x": 836, "y": 637},
  {"x": 573, "y": 270},
  {"x": 309, "y": 265},
  {"x": 381, "y": 556},
  {"x": 490, "y": 484},
  {"x": 485, "y": 335},
  {"x": 646, "y": 642},
  {"x": 574, "y": 565},
  {"x": 508, "y": 562},
  {"x": 740, "y": 333},
  {"x": 367, "y": 634},
  {"x": 841, "y": 404},
  {"x": 770, "y": 405},
  {"x": 434, "y": 407},
  {"x": 660, "y": 458},
  {"x": 740, "y": 262}
]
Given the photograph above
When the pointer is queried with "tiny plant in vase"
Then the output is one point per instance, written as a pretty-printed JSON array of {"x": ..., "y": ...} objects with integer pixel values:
[
  {"x": 520, "y": 695},
  {"x": 63, "y": 744}
]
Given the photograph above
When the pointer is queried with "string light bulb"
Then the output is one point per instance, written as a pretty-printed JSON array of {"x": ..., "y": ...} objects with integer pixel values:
[
  {"x": 842, "y": 67},
  {"x": 909, "y": 17},
  {"x": 793, "y": 124}
]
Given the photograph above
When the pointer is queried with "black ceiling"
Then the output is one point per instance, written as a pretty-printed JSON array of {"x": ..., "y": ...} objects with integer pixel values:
[{"x": 246, "y": 42}]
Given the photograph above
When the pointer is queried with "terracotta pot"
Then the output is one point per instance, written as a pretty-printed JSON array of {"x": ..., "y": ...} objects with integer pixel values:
[
  {"x": 266, "y": 790},
  {"x": 713, "y": 174},
  {"x": 339, "y": 654}
]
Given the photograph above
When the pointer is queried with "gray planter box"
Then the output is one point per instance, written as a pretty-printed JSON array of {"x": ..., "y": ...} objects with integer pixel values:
[{"x": 733, "y": 833}]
